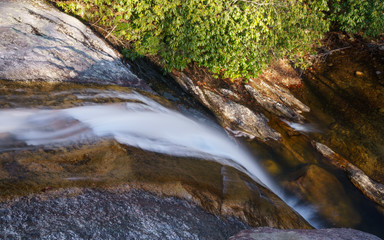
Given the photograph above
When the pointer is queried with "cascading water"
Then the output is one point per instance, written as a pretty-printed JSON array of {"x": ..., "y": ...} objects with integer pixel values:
[{"x": 140, "y": 122}]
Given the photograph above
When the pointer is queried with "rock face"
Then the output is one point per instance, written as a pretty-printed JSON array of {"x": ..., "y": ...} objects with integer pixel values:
[
  {"x": 123, "y": 213},
  {"x": 320, "y": 234},
  {"x": 240, "y": 118},
  {"x": 38, "y": 42},
  {"x": 236, "y": 117},
  {"x": 276, "y": 100},
  {"x": 219, "y": 189},
  {"x": 243, "y": 111}
]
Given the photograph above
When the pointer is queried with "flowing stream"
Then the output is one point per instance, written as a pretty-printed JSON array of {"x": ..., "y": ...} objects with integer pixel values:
[{"x": 131, "y": 119}]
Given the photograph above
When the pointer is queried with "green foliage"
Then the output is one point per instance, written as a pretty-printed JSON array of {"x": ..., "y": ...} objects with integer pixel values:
[
  {"x": 232, "y": 38},
  {"x": 357, "y": 16}
]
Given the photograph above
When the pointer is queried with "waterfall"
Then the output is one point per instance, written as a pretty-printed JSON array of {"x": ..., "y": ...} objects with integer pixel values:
[{"x": 139, "y": 122}]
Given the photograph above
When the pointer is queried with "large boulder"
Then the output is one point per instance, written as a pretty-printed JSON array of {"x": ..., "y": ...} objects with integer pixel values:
[
  {"x": 219, "y": 189},
  {"x": 38, "y": 42}
]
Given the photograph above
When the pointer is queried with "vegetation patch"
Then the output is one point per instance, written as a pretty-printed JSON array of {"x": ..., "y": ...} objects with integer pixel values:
[{"x": 232, "y": 38}]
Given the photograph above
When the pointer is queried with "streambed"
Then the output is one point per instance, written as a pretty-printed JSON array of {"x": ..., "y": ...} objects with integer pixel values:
[{"x": 66, "y": 135}]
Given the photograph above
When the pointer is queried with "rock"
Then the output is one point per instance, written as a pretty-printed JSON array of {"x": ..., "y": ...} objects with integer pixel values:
[
  {"x": 273, "y": 106},
  {"x": 266, "y": 233},
  {"x": 378, "y": 72},
  {"x": 230, "y": 94},
  {"x": 234, "y": 116},
  {"x": 269, "y": 95},
  {"x": 381, "y": 48},
  {"x": 118, "y": 213},
  {"x": 218, "y": 189},
  {"x": 282, "y": 73},
  {"x": 359, "y": 74},
  {"x": 373, "y": 190},
  {"x": 189, "y": 86},
  {"x": 240, "y": 118},
  {"x": 38, "y": 42},
  {"x": 320, "y": 187}
]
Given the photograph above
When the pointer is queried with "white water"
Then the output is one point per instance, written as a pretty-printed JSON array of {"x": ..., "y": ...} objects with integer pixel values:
[
  {"x": 302, "y": 127},
  {"x": 143, "y": 123}
]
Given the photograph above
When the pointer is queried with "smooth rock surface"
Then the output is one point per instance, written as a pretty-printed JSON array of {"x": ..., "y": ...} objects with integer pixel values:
[
  {"x": 266, "y": 233},
  {"x": 80, "y": 159},
  {"x": 38, "y": 42},
  {"x": 221, "y": 190},
  {"x": 313, "y": 185}
]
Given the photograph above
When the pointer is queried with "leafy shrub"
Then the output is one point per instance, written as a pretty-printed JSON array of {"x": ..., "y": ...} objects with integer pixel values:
[
  {"x": 232, "y": 38},
  {"x": 357, "y": 16}
]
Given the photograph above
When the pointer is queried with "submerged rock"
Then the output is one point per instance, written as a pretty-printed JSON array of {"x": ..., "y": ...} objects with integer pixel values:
[
  {"x": 318, "y": 186},
  {"x": 318, "y": 234},
  {"x": 38, "y": 42}
]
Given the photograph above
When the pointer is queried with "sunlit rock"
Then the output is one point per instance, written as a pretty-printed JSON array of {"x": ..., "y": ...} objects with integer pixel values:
[
  {"x": 38, "y": 42},
  {"x": 238, "y": 118}
]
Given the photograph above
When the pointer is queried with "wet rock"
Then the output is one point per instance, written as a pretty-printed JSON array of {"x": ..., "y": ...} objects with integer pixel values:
[
  {"x": 359, "y": 74},
  {"x": 318, "y": 234},
  {"x": 219, "y": 189},
  {"x": 236, "y": 117},
  {"x": 279, "y": 94},
  {"x": 373, "y": 190},
  {"x": 351, "y": 105},
  {"x": 38, "y": 42},
  {"x": 230, "y": 94},
  {"x": 239, "y": 117},
  {"x": 120, "y": 213},
  {"x": 320, "y": 187},
  {"x": 272, "y": 106}
]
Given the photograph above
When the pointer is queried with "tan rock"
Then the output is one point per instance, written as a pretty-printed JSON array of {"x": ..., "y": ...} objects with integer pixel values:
[
  {"x": 373, "y": 190},
  {"x": 316, "y": 185},
  {"x": 219, "y": 189},
  {"x": 359, "y": 74}
]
